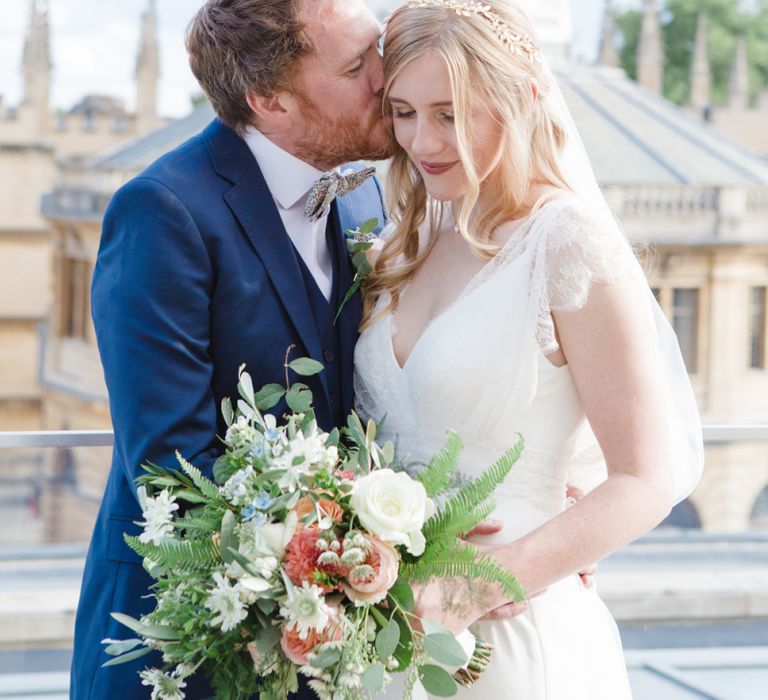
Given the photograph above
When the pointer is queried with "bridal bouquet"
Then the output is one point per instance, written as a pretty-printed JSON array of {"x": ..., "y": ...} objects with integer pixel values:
[{"x": 297, "y": 558}]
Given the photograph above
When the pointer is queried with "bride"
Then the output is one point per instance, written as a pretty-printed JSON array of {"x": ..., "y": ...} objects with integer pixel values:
[{"x": 506, "y": 300}]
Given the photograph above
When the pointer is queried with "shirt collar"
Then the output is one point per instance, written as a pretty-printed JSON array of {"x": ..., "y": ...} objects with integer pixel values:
[{"x": 288, "y": 177}]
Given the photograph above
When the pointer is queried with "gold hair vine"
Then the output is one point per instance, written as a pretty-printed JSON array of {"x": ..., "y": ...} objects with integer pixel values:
[{"x": 520, "y": 44}]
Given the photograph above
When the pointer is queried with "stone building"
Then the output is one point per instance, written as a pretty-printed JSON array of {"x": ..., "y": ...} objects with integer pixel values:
[
  {"x": 697, "y": 202},
  {"x": 34, "y": 143}
]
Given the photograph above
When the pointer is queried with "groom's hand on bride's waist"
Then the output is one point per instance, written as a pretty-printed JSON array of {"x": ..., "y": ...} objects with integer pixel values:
[{"x": 487, "y": 527}]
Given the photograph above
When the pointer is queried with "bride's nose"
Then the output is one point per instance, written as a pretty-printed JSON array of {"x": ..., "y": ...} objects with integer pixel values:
[{"x": 426, "y": 139}]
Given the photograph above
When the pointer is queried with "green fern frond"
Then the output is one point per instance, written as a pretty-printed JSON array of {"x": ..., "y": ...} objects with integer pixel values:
[
  {"x": 463, "y": 561},
  {"x": 187, "y": 555},
  {"x": 437, "y": 476},
  {"x": 452, "y": 523},
  {"x": 475, "y": 494},
  {"x": 204, "y": 485}
]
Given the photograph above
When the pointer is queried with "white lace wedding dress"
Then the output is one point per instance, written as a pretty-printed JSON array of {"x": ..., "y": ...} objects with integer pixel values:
[{"x": 480, "y": 368}]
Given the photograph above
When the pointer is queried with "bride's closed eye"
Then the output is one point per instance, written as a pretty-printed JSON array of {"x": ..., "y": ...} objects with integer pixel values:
[{"x": 402, "y": 114}]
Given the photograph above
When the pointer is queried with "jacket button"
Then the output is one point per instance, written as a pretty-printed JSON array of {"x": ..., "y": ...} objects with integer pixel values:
[{"x": 329, "y": 355}]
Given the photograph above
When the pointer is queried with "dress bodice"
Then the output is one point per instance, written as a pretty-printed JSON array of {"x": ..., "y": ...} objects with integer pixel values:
[{"x": 481, "y": 367}]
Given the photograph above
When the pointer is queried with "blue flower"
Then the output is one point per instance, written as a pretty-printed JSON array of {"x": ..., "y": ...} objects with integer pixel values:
[
  {"x": 262, "y": 501},
  {"x": 250, "y": 513}
]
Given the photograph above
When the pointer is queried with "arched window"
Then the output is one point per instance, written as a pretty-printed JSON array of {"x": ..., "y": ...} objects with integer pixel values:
[
  {"x": 684, "y": 516},
  {"x": 758, "y": 518}
]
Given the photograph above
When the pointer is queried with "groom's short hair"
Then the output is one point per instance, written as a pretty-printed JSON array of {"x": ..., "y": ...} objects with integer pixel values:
[{"x": 238, "y": 47}]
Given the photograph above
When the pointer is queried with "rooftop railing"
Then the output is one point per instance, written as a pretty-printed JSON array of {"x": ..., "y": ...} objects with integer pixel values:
[{"x": 105, "y": 438}]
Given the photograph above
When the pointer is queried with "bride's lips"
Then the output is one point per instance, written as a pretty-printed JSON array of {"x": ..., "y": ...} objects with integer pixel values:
[{"x": 437, "y": 168}]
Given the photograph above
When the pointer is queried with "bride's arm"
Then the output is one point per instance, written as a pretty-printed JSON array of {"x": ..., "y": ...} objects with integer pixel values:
[{"x": 611, "y": 352}]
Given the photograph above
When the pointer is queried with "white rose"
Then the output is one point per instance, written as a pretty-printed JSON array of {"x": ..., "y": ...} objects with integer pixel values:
[
  {"x": 276, "y": 536},
  {"x": 393, "y": 507}
]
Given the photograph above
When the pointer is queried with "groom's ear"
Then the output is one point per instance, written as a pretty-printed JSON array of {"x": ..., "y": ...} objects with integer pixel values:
[{"x": 271, "y": 112}]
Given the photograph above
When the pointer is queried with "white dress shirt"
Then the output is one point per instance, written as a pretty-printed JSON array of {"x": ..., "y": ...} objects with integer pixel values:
[{"x": 290, "y": 181}]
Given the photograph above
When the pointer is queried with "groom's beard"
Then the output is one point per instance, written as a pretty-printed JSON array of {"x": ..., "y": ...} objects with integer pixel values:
[{"x": 327, "y": 143}]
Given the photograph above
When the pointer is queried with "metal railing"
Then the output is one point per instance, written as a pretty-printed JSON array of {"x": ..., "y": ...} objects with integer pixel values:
[{"x": 105, "y": 438}]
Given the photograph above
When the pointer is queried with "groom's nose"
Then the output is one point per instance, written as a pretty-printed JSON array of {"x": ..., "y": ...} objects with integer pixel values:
[{"x": 377, "y": 75}]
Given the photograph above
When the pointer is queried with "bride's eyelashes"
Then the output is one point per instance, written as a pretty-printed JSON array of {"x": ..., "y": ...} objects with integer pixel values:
[{"x": 399, "y": 114}]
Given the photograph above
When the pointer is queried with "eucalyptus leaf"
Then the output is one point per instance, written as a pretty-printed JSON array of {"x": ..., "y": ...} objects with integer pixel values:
[
  {"x": 444, "y": 649},
  {"x": 245, "y": 409},
  {"x": 266, "y": 638},
  {"x": 245, "y": 388},
  {"x": 162, "y": 633},
  {"x": 306, "y": 366},
  {"x": 431, "y": 627},
  {"x": 333, "y": 438},
  {"x": 299, "y": 400},
  {"x": 437, "y": 681},
  {"x": 269, "y": 396},
  {"x": 122, "y": 646},
  {"x": 387, "y": 639},
  {"x": 373, "y": 678},
  {"x": 228, "y": 538},
  {"x": 266, "y": 606},
  {"x": 363, "y": 267},
  {"x": 327, "y": 657},
  {"x": 368, "y": 226},
  {"x": 125, "y": 658},
  {"x": 404, "y": 652},
  {"x": 402, "y": 594},
  {"x": 226, "y": 411}
]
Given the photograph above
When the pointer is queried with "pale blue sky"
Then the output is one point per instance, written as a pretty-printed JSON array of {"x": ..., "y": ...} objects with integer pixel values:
[{"x": 94, "y": 46}]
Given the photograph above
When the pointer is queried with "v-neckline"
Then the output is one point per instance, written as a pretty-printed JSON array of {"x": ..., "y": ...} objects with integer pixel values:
[{"x": 468, "y": 288}]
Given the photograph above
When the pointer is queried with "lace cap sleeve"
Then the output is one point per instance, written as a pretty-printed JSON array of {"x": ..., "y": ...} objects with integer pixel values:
[{"x": 578, "y": 250}]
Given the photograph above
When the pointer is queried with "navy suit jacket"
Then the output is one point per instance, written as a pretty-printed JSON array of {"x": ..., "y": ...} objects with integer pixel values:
[{"x": 195, "y": 276}]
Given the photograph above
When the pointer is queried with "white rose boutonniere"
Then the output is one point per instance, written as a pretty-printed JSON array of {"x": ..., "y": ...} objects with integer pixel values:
[{"x": 394, "y": 507}]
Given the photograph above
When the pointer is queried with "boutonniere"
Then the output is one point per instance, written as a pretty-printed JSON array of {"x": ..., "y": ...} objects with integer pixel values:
[{"x": 359, "y": 241}]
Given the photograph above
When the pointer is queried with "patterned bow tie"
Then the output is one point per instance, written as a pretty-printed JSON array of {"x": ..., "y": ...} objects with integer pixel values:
[{"x": 333, "y": 185}]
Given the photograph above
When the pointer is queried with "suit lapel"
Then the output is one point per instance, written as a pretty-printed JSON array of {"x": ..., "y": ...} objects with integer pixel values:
[
  {"x": 349, "y": 319},
  {"x": 251, "y": 202}
]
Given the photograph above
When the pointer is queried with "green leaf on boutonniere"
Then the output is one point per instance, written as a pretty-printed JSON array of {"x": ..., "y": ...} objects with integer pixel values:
[
  {"x": 359, "y": 242},
  {"x": 368, "y": 226}
]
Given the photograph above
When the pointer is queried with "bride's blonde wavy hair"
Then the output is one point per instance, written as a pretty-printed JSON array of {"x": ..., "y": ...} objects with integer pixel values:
[{"x": 513, "y": 86}]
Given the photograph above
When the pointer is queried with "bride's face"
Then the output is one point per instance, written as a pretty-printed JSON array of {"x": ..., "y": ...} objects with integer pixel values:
[{"x": 422, "y": 109}]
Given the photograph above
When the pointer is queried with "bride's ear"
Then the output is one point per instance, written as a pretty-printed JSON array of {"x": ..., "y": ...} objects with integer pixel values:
[{"x": 271, "y": 112}]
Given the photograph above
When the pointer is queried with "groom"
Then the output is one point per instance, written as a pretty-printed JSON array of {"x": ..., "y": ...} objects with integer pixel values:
[{"x": 208, "y": 262}]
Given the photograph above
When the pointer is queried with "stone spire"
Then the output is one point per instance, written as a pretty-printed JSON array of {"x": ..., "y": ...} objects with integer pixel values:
[
  {"x": 147, "y": 72},
  {"x": 650, "y": 50},
  {"x": 609, "y": 56},
  {"x": 701, "y": 74},
  {"x": 37, "y": 66},
  {"x": 739, "y": 95}
]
